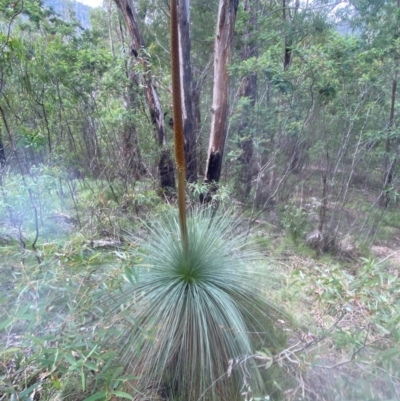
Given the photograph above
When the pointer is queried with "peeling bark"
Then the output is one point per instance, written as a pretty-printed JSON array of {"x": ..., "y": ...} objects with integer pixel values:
[
  {"x": 222, "y": 54},
  {"x": 187, "y": 90},
  {"x": 166, "y": 171}
]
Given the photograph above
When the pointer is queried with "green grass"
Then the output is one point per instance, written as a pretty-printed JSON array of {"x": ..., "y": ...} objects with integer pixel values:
[{"x": 392, "y": 218}]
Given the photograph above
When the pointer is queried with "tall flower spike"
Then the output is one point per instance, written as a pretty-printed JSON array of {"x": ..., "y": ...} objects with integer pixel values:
[{"x": 178, "y": 123}]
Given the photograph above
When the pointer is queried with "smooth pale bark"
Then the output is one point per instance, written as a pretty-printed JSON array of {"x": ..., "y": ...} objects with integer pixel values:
[
  {"x": 166, "y": 169},
  {"x": 187, "y": 90},
  {"x": 222, "y": 54},
  {"x": 197, "y": 125}
]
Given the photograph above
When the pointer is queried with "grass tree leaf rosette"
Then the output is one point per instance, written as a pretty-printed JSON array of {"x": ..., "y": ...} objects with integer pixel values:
[{"x": 194, "y": 311}]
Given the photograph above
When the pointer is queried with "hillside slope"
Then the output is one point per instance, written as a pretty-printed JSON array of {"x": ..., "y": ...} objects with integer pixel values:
[{"x": 64, "y": 8}]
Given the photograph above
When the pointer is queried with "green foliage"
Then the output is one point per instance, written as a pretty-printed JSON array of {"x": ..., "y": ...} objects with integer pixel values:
[
  {"x": 294, "y": 220},
  {"x": 362, "y": 325},
  {"x": 190, "y": 313},
  {"x": 223, "y": 196}
]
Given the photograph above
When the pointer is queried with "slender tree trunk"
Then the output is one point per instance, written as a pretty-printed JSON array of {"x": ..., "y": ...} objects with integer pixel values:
[
  {"x": 222, "y": 54},
  {"x": 247, "y": 91},
  {"x": 296, "y": 146},
  {"x": 166, "y": 168},
  {"x": 130, "y": 144},
  {"x": 40, "y": 101},
  {"x": 288, "y": 16},
  {"x": 187, "y": 90},
  {"x": 197, "y": 125},
  {"x": 71, "y": 139},
  {"x": 2, "y": 154},
  {"x": 389, "y": 162},
  {"x": 12, "y": 143},
  {"x": 287, "y": 60},
  {"x": 109, "y": 15},
  {"x": 49, "y": 141}
]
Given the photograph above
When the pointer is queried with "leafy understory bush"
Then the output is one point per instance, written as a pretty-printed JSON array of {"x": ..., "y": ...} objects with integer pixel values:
[
  {"x": 294, "y": 220},
  {"x": 188, "y": 318},
  {"x": 198, "y": 190}
]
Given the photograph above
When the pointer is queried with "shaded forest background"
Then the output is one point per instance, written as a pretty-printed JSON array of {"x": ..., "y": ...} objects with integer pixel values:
[
  {"x": 292, "y": 122},
  {"x": 311, "y": 107}
]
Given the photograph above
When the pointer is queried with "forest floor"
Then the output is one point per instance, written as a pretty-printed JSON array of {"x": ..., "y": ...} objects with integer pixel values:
[
  {"x": 390, "y": 254},
  {"x": 343, "y": 344}
]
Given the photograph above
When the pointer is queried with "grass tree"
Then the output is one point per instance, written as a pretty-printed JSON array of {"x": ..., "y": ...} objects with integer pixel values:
[
  {"x": 197, "y": 308},
  {"x": 179, "y": 140},
  {"x": 195, "y": 315}
]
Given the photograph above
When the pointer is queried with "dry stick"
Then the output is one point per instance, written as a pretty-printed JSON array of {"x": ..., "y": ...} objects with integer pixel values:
[
  {"x": 387, "y": 257},
  {"x": 178, "y": 123}
]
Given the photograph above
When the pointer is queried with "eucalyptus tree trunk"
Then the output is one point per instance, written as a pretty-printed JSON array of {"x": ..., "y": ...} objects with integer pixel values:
[
  {"x": 165, "y": 166},
  {"x": 187, "y": 90},
  {"x": 247, "y": 91},
  {"x": 198, "y": 87},
  {"x": 389, "y": 162},
  {"x": 222, "y": 54},
  {"x": 296, "y": 146}
]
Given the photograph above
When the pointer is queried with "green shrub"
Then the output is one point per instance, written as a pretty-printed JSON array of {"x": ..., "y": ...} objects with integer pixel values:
[{"x": 294, "y": 220}]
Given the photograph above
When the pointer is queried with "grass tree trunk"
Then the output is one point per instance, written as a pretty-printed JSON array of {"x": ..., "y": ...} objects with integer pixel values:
[
  {"x": 179, "y": 139},
  {"x": 187, "y": 90},
  {"x": 222, "y": 54},
  {"x": 247, "y": 92},
  {"x": 165, "y": 167}
]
